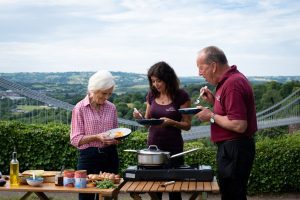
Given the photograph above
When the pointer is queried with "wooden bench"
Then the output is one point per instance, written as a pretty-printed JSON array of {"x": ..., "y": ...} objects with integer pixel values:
[{"x": 196, "y": 188}]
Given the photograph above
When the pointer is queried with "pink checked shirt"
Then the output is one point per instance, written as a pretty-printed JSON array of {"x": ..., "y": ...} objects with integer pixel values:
[{"x": 89, "y": 121}]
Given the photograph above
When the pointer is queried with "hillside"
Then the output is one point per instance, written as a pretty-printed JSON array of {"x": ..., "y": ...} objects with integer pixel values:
[
  {"x": 130, "y": 92},
  {"x": 126, "y": 82}
]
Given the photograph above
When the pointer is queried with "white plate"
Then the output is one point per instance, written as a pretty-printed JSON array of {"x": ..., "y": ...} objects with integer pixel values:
[{"x": 119, "y": 133}]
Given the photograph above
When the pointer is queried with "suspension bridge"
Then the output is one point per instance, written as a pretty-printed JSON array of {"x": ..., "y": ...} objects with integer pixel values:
[{"x": 285, "y": 112}]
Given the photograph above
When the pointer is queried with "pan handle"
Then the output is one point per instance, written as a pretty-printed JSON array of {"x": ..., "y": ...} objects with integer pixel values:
[
  {"x": 130, "y": 150},
  {"x": 185, "y": 152}
]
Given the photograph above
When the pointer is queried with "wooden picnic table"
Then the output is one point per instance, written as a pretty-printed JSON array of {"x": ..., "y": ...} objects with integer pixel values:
[
  {"x": 50, "y": 187},
  {"x": 196, "y": 188}
]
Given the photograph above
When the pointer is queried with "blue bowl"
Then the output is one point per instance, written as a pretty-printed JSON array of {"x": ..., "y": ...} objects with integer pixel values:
[{"x": 35, "y": 182}]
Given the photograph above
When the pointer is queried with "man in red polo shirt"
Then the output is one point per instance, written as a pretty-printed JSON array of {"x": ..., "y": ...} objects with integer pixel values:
[{"x": 233, "y": 121}]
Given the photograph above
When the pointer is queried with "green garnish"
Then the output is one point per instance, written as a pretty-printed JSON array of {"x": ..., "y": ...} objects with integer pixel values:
[{"x": 105, "y": 184}]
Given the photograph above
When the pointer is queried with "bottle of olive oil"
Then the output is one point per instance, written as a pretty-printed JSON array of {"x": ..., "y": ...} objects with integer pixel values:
[{"x": 14, "y": 170}]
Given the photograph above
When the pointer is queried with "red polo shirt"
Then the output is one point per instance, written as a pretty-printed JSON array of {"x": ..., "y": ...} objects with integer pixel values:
[{"x": 234, "y": 98}]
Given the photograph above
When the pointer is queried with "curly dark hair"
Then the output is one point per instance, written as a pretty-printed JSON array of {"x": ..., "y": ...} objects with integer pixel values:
[{"x": 164, "y": 72}]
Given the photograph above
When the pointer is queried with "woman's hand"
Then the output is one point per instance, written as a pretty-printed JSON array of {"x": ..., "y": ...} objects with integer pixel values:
[
  {"x": 136, "y": 114},
  {"x": 167, "y": 122},
  {"x": 106, "y": 139}
]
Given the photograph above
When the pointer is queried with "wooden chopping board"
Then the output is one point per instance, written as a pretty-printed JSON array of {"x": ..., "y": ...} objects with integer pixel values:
[{"x": 40, "y": 173}]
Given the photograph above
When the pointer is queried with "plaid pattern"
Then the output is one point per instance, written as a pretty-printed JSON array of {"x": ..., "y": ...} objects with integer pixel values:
[{"x": 89, "y": 121}]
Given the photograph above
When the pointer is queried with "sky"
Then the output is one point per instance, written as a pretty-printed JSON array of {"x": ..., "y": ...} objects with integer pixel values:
[{"x": 261, "y": 37}]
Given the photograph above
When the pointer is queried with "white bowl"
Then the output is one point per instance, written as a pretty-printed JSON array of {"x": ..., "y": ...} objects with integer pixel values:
[{"x": 35, "y": 182}]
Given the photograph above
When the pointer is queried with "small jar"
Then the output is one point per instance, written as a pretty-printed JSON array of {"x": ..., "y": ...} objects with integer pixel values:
[
  {"x": 69, "y": 179},
  {"x": 59, "y": 179},
  {"x": 80, "y": 178}
]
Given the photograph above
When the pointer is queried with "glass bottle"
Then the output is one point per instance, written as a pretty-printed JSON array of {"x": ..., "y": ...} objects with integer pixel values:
[{"x": 14, "y": 170}]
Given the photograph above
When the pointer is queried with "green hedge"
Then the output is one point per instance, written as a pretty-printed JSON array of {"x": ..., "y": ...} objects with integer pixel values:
[
  {"x": 276, "y": 167},
  {"x": 38, "y": 146}
]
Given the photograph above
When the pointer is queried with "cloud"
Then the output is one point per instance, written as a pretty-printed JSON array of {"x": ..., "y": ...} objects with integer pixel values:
[{"x": 131, "y": 35}]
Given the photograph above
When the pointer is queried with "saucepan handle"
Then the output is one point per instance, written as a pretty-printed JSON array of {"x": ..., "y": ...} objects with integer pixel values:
[
  {"x": 130, "y": 150},
  {"x": 185, "y": 152},
  {"x": 153, "y": 148}
]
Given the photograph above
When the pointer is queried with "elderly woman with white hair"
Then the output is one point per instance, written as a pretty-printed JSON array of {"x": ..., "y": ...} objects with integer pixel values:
[{"x": 92, "y": 117}]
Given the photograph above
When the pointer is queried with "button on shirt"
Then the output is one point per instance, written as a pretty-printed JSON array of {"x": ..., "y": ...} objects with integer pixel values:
[{"x": 87, "y": 120}]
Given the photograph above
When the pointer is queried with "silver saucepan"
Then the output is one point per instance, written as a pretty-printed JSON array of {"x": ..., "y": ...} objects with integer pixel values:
[{"x": 155, "y": 157}]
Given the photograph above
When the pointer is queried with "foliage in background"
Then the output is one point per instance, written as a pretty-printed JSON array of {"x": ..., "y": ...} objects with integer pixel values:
[
  {"x": 130, "y": 92},
  {"x": 137, "y": 140},
  {"x": 276, "y": 167},
  {"x": 271, "y": 132},
  {"x": 38, "y": 146}
]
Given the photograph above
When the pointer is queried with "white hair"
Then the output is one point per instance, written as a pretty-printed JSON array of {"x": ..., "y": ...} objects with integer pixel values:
[{"x": 101, "y": 80}]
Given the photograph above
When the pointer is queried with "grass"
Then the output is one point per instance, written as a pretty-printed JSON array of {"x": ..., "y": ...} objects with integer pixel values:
[
  {"x": 139, "y": 87},
  {"x": 29, "y": 108}
]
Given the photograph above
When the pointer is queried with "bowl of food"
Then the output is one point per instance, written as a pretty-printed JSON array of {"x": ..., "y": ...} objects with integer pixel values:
[{"x": 35, "y": 182}]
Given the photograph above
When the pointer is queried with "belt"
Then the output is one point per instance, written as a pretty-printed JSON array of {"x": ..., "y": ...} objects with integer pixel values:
[
  {"x": 235, "y": 139},
  {"x": 99, "y": 150}
]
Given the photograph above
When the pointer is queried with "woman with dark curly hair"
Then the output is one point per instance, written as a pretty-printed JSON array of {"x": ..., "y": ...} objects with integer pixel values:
[{"x": 163, "y": 101}]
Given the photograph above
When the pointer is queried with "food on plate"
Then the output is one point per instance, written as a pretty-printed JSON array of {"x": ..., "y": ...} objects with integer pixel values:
[
  {"x": 115, "y": 178},
  {"x": 111, "y": 177},
  {"x": 91, "y": 184},
  {"x": 119, "y": 134},
  {"x": 94, "y": 177}
]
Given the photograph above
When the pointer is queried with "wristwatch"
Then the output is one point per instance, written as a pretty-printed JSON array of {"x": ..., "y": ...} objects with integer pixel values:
[{"x": 212, "y": 118}]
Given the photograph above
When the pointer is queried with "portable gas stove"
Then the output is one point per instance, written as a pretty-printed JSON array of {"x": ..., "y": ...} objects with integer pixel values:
[{"x": 198, "y": 173}]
